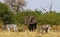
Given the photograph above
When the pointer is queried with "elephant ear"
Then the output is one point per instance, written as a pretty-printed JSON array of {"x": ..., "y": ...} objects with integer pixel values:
[
  {"x": 26, "y": 20},
  {"x": 30, "y": 19}
]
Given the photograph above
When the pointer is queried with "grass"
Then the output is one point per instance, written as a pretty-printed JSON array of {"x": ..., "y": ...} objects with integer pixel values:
[
  {"x": 26, "y": 33},
  {"x": 29, "y": 34}
]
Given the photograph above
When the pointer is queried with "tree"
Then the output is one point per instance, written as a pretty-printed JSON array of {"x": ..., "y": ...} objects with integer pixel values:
[
  {"x": 5, "y": 14},
  {"x": 16, "y": 5}
]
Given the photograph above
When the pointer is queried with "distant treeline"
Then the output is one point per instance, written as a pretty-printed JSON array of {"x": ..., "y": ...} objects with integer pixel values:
[{"x": 8, "y": 16}]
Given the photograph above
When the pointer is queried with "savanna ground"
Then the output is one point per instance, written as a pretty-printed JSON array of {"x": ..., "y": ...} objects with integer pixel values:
[{"x": 55, "y": 32}]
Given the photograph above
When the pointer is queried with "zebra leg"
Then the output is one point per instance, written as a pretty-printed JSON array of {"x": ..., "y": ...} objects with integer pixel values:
[
  {"x": 8, "y": 29},
  {"x": 15, "y": 29}
]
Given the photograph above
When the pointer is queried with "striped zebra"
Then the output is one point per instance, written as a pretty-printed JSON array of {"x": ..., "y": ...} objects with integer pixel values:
[
  {"x": 9, "y": 27},
  {"x": 45, "y": 28}
]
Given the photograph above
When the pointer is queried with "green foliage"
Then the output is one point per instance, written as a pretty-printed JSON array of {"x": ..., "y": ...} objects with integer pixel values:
[
  {"x": 7, "y": 16},
  {"x": 52, "y": 18},
  {"x": 21, "y": 15},
  {"x": 3, "y": 7}
]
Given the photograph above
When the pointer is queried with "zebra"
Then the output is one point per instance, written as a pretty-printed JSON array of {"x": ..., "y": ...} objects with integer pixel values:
[
  {"x": 9, "y": 27},
  {"x": 45, "y": 28}
]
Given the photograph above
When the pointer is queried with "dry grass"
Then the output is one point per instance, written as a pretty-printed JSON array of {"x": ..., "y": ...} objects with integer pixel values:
[
  {"x": 29, "y": 34},
  {"x": 32, "y": 34}
]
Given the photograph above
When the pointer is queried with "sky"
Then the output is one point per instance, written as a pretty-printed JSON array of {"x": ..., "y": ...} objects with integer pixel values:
[{"x": 39, "y": 4}]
